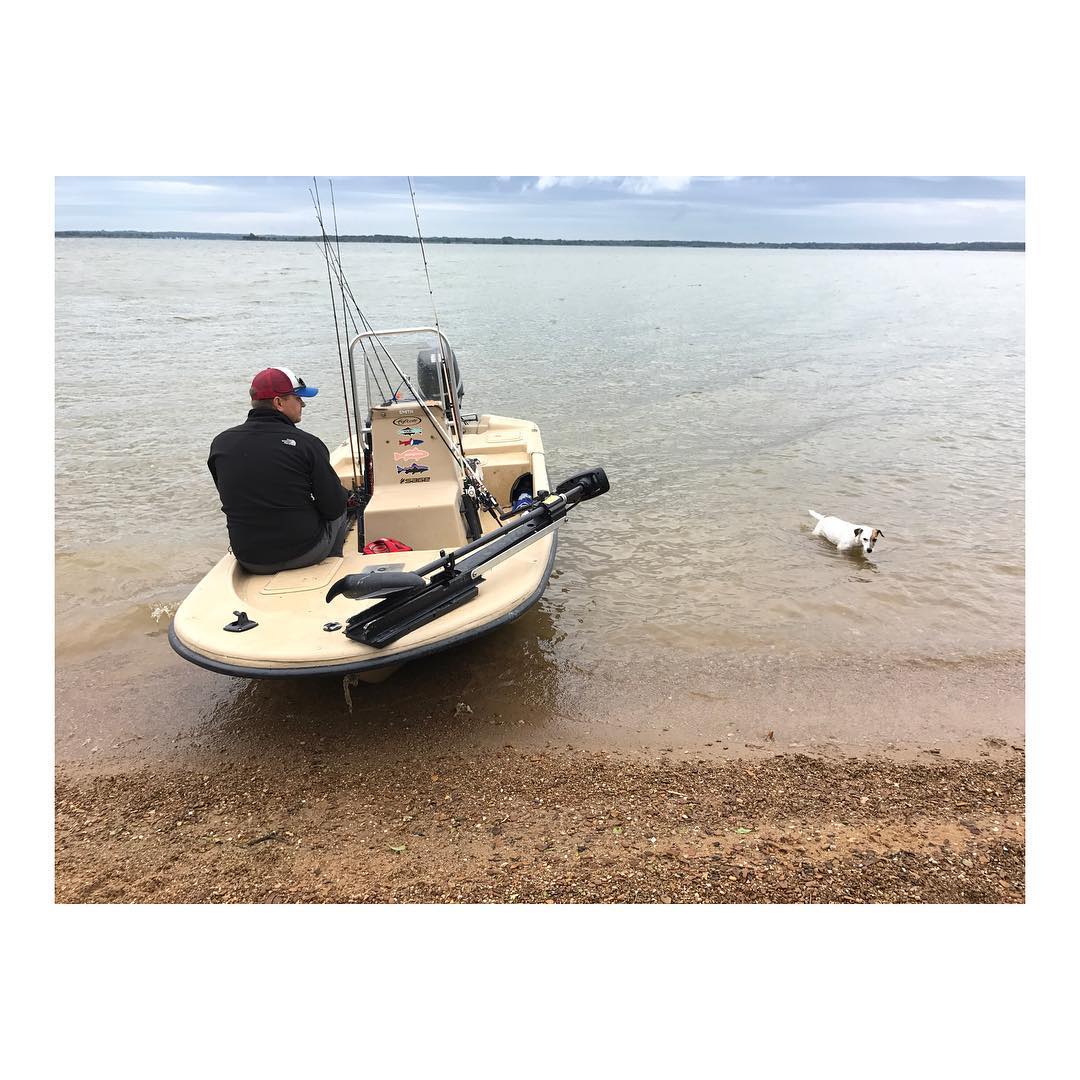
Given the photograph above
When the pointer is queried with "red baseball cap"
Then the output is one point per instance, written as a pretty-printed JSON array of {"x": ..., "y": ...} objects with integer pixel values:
[{"x": 279, "y": 382}]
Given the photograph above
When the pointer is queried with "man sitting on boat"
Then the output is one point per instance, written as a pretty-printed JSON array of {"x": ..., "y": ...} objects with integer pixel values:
[{"x": 284, "y": 504}]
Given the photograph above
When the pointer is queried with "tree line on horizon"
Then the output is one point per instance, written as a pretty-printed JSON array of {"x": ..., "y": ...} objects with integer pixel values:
[{"x": 385, "y": 238}]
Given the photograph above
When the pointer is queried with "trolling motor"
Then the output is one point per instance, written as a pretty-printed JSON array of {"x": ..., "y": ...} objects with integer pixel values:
[{"x": 410, "y": 601}]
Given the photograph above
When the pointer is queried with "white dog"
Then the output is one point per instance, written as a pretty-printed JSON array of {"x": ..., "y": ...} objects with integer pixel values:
[{"x": 844, "y": 535}]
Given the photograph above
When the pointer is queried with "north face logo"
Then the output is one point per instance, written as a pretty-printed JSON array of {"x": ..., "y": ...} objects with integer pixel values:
[{"x": 289, "y": 442}]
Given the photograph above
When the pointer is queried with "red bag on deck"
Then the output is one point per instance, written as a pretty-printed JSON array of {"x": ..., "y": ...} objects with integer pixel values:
[{"x": 384, "y": 545}]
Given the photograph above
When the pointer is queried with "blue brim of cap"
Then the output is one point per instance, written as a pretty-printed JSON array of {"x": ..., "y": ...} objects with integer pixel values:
[{"x": 306, "y": 391}]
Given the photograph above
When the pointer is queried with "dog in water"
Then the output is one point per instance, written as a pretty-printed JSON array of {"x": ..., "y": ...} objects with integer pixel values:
[{"x": 844, "y": 535}]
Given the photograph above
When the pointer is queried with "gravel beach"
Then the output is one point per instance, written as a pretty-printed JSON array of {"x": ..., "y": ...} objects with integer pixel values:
[{"x": 551, "y": 826}]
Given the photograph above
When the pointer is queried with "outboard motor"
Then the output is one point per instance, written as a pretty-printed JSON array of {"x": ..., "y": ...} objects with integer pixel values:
[{"x": 429, "y": 377}]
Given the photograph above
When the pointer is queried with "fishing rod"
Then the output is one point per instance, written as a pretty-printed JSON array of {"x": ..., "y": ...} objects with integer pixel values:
[
  {"x": 475, "y": 492},
  {"x": 339, "y": 273},
  {"x": 451, "y": 376},
  {"x": 423, "y": 254},
  {"x": 338, "y": 269},
  {"x": 334, "y": 261},
  {"x": 479, "y": 489},
  {"x": 337, "y": 338},
  {"x": 344, "y": 307},
  {"x": 386, "y": 392},
  {"x": 475, "y": 487}
]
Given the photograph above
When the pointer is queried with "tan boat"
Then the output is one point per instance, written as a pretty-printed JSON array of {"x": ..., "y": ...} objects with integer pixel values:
[{"x": 468, "y": 496}]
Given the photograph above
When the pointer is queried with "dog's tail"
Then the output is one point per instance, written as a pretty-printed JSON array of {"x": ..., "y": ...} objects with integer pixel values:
[{"x": 814, "y": 514}]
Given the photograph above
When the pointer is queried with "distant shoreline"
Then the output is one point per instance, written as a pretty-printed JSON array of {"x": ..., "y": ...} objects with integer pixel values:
[{"x": 128, "y": 234}]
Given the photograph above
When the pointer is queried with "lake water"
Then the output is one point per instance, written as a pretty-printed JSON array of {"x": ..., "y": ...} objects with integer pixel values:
[{"x": 724, "y": 391}]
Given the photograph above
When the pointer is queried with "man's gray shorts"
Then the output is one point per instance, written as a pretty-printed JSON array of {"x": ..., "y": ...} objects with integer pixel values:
[{"x": 332, "y": 542}]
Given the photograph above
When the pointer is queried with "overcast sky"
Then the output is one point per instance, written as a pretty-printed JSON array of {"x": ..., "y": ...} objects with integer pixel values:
[{"x": 739, "y": 208}]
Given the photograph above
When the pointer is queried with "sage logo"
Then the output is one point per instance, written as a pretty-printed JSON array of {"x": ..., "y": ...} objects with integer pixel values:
[{"x": 406, "y": 421}]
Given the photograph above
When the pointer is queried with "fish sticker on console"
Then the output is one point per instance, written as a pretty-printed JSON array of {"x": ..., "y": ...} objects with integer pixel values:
[
  {"x": 411, "y": 431},
  {"x": 406, "y": 421},
  {"x": 410, "y": 442},
  {"x": 414, "y": 453},
  {"x": 413, "y": 468}
]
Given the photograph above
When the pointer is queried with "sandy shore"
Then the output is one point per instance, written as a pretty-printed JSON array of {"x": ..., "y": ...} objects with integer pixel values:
[
  {"x": 755, "y": 779},
  {"x": 564, "y": 826}
]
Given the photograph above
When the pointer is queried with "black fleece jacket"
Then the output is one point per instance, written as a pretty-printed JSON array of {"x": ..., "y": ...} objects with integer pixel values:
[{"x": 276, "y": 485}]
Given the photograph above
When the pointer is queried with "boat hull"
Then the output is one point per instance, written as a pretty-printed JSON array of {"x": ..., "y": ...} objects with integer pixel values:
[{"x": 366, "y": 661}]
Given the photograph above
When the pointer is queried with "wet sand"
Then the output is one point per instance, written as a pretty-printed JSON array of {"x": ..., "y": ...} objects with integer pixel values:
[
  {"x": 136, "y": 701},
  {"x": 767, "y": 780}
]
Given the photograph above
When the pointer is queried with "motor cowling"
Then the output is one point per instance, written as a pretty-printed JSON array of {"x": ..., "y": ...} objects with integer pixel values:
[{"x": 429, "y": 377}]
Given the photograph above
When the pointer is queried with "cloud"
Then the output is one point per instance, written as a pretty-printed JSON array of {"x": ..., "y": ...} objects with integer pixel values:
[
  {"x": 545, "y": 182},
  {"x": 650, "y": 185},
  {"x": 633, "y": 185},
  {"x": 170, "y": 187},
  {"x": 898, "y": 208}
]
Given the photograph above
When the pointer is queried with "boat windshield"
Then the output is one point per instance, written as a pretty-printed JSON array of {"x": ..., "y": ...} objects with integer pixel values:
[{"x": 404, "y": 365}]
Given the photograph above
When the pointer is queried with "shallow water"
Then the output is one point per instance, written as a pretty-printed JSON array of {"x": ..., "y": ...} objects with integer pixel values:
[{"x": 725, "y": 392}]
